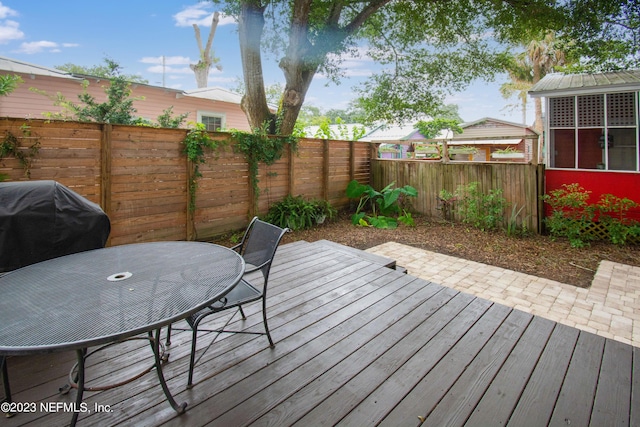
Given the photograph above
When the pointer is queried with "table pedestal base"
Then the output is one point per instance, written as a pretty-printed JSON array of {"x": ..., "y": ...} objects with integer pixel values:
[
  {"x": 78, "y": 381},
  {"x": 73, "y": 374}
]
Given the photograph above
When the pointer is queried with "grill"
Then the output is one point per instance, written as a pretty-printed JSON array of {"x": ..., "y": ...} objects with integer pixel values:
[{"x": 40, "y": 220}]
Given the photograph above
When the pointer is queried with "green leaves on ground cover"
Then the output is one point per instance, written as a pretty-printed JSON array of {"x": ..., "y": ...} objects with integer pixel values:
[
  {"x": 387, "y": 207},
  {"x": 299, "y": 214}
]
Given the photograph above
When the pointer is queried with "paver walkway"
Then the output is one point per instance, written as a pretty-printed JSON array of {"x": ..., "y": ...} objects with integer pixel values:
[{"x": 610, "y": 307}]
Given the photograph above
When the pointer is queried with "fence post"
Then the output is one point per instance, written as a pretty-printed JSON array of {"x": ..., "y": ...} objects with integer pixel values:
[
  {"x": 540, "y": 176},
  {"x": 352, "y": 160},
  {"x": 105, "y": 170},
  {"x": 190, "y": 227},
  {"x": 291, "y": 182},
  {"x": 325, "y": 169},
  {"x": 535, "y": 158}
]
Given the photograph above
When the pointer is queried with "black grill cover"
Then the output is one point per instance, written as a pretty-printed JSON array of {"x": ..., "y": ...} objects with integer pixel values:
[{"x": 40, "y": 220}]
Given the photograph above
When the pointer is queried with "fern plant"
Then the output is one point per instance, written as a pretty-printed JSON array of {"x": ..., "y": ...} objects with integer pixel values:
[{"x": 299, "y": 214}]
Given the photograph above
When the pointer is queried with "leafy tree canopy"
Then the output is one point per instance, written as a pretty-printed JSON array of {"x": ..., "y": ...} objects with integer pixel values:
[
  {"x": 432, "y": 128},
  {"x": 105, "y": 71},
  {"x": 426, "y": 48},
  {"x": 9, "y": 83},
  {"x": 604, "y": 35}
]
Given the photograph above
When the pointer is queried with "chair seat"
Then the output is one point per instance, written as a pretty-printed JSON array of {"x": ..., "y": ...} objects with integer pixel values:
[
  {"x": 257, "y": 248},
  {"x": 242, "y": 293}
]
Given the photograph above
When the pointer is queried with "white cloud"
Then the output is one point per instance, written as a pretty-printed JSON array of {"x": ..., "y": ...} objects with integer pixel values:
[
  {"x": 9, "y": 31},
  {"x": 37, "y": 47},
  {"x": 200, "y": 14},
  {"x": 168, "y": 60},
  {"x": 6, "y": 11},
  {"x": 159, "y": 69}
]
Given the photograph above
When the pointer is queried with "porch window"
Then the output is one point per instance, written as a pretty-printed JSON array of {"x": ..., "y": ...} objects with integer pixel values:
[
  {"x": 212, "y": 121},
  {"x": 597, "y": 131}
]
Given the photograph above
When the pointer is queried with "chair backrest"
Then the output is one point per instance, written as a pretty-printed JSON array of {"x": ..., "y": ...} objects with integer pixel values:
[{"x": 259, "y": 245}]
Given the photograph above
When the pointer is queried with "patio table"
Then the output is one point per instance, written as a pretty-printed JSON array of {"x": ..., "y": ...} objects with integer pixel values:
[{"x": 107, "y": 295}]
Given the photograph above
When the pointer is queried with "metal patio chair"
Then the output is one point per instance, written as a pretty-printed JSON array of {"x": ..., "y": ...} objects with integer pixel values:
[{"x": 257, "y": 248}]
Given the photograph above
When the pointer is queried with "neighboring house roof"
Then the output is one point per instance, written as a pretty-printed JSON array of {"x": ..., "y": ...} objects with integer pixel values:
[
  {"x": 394, "y": 133},
  {"x": 483, "y": 131},
  {"x": 559, "y": 84},
  {"x": 493, "y": 132},
  {"x": 210, "y": 93},
  {"x": 215, "y": 94},
  {"x": 14, "y": 66}
]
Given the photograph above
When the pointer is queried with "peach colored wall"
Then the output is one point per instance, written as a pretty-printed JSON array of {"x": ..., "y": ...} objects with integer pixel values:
[{"x": 24, "y": 103}]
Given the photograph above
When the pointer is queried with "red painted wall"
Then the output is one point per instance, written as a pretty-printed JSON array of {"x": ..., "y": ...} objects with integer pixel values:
[{"x": 619, "y": 184}]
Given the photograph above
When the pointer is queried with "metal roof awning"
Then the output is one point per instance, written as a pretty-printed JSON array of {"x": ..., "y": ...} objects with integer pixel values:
[
  {"x": 559, "y": 84},
  {"x": 512, "y": 141}
]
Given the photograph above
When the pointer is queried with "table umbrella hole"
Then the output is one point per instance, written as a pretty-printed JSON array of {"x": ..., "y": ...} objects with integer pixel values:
[{"x": 119, "y": 276}]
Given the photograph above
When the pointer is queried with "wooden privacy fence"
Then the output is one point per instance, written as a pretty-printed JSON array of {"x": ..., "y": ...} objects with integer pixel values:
[
  {"x": 521, "y": 184},
  {"x": 139, "y": 176}
]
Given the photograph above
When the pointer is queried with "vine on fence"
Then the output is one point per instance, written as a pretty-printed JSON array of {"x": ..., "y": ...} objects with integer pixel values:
[
  {"x": 10, "y": 146},
  {"x": 195, "y": 143},
  {"x": 258, "y": 146}
]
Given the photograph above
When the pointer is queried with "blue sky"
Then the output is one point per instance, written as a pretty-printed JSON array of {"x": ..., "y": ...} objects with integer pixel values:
[{"x": 137, "y": 34}]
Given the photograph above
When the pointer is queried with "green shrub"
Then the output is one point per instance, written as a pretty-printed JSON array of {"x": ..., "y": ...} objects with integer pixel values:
[
  {"x": 483, "y": 211},
  {"x": 299, "y": 214},
  {"x": 571, "y": 214},
  {"x": 612, "y": 212}
]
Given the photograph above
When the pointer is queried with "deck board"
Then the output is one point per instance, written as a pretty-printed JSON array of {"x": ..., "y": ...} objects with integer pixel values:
[
  {"x": 539, "y": 395},
  {"x": 358, "y": 343}
]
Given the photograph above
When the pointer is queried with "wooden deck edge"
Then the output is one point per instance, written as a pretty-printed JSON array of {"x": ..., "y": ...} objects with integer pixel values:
[{"x": 373, "y": 258}]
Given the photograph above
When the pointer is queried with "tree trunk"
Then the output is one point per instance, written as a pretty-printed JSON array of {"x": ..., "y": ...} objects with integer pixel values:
[
  {"x": 201, "y": 72},
  {"x": 299, "y": 66},
  {"x": 254, "y": 101},
  {"x": 298, "y": 77},
  {"x": 301, "y": 61},
  {"x": 202, "y": 68}
]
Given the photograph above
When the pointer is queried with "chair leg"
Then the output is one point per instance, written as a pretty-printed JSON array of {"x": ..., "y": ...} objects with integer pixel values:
[
  {"x": 266, "y": 325},
  {"x": 242, "y": 313},
  {"x": 192, "y": 358},
  {"x": 168, "y": 341},
  {"x": 5, "y": 379}
]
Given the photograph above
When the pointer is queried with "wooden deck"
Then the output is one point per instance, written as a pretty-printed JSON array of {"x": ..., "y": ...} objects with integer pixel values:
[{"x": 357, "y": 344}]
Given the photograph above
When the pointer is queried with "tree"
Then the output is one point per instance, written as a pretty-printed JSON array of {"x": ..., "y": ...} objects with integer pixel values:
[
  {"x": 541, "y": 56},
  {"x": 202, "y": 68},
  {"x": 119, "y": 106},
  {"x": 104, "y": 71},
  {"x": 603, "y": 34},
  {"x": 427, "y": 49},
  {"x": 9, "y": 83},
  {"x": 168, "y": 120},
  {"x": 519, "y": 84},
  {"x": 118, "y": 109},
  {"x": 430, "y": 129}
]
